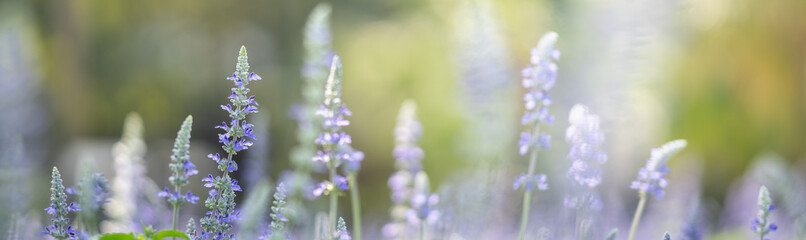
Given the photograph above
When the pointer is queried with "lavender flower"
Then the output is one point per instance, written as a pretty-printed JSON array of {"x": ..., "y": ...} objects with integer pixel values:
[
  {"x": 585, "y": 139},
  {"x": 485, "y": 73},
  {"x": 335, "y": 144},
  {"x": 408, "y": 158},
  {"x": 278, "y": 219},
  {"x": 236, "y": 137},
  {"x": 191, "y": 229},
  {"x": 586, "y": 156},
  {"x": 761, "y": 224},
  {"x": 408, "y": 155},
  {"x": 341, "y": 231},
  {"x": 182, "y": 168},
  {"x": 538, "y": 78},
  {"x": 651, "y": 177},
  {"x": 92, "y": 192},
  {"x": 317, "y": 62},
  {"x": 135, "y": 200},
  {"x": 59, "y": 210}
]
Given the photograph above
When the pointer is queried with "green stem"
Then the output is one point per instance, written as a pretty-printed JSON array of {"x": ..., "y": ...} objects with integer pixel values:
[
  {"x": 422, "y": 229},
  {"x": 334, "y": 203},
  {"x": 527, "y": 196},
  {"x": 176, "y": 211},
  {"x": 638, "y": 212},
  {"x": 356, "y": 202}
]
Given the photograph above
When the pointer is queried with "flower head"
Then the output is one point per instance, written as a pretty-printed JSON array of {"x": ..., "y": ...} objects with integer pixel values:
[
  {"x": 58, "y": 209},
  {"x": 335, "y": 143},
  {"x": 761, "y": 224},
  {"x": 181, "y": 166},
  {"x": 538, "y": 78},
  {"x": 585, "y": 138},
  {"x": 651, "y": 178},
  {"x": 341, "y": 231},
  {"x": 238, "y": 136}
]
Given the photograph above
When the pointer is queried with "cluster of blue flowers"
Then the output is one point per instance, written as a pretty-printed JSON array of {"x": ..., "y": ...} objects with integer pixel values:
[
  {"x": 586, "y": 152},
  {"x": 761, "y": 225},
  {"x": 651, "y": 178},
  {"x": 236, "y": 137},
  {"x": 182, "y": 168},
  {"x": 408, "y": 162},
  {"x": 538, "y": 79},
  {"x": 60, "y": 229},
  {"x": 335, "y": 144}
]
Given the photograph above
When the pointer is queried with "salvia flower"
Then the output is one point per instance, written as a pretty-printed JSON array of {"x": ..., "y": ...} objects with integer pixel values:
[
  {"x": 182, "y": 168},
  {"x": 538, "y": 78},
  {"x": 585, "y": 154},
  {"x": 315, "y": 69},
  {"x": 408, "y": 155},
  {"x": 237, "y": 137},
  {"x": 761, "y": 224},
  {"x": 191, "y": 228},
  {"x": 92, "y": 192},
  {"x": 341, "y": 231},
  {"x": 278, "y": 218},
  {"x": 408, "y": 158},
  {"x": 58, "y": 209},
  {"x": 651, "y": 178},
  {"x": 335, "y": 144}
]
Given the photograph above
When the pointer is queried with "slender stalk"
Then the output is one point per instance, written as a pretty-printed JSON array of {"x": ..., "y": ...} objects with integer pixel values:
[
  {"x": 527, "y": 196},
  {"x": 638, "y": 212},
  {"x": 176, "y": 214},
  {"x": 422, "y": 229},
  {"x": 334, "y": 203},
  {"x": 356, "y": 202}
]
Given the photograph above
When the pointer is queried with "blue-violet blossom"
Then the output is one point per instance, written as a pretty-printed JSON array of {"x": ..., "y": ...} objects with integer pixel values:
[
  {"x": 236, "y": 137},
  {"x": 60, "y": 229},
  {"x": 651, "y": 178},
  {"x": 761, "y": 225}
]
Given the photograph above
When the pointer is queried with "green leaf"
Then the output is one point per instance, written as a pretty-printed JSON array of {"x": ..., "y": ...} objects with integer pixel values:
[
  {"x": 170, "y": 233},
  {"x": 612, "y": 234},
  {"x": 117, "y": 236}
]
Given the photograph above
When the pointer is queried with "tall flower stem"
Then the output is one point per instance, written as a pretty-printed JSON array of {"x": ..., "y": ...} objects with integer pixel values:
[
  {"x": 422, "y": 230},
  {"x": 334, "y": 203},
  {"x": 527, "y": 197},
  {"x": 356, "y": 203},
  {"x": 637, "y": 217},
  {"x": 176, "y": 213}
]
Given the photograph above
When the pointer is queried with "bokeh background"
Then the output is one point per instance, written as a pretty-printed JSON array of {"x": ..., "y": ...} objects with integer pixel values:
[{"x": 727, "y": 75}]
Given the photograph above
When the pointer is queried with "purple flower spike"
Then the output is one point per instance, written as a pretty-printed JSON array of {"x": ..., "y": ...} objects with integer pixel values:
[{"x": 221, "y": 202}]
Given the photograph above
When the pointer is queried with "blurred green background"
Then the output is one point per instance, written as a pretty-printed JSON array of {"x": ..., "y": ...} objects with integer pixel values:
[{"x": 728, "y": 75}]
